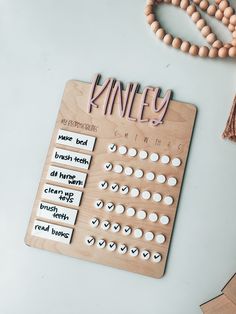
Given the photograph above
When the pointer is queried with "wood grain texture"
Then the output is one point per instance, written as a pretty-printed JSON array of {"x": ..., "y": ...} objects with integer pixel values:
[
  {"x": 172, "y": 138},
  {"x": 219, "y": 305},
  {"x": 230, "y": 289}
]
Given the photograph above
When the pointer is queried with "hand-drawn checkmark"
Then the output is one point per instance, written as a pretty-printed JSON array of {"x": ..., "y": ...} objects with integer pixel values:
[
  {"x": 133, "y": 251},
  {"x": 103, "y": 184},
  {"x": 127, "y": 229},
  {"x": 94, "y": 221},
  {"x": 112, "y": 147},
  {"x": 101, "y": 242},
  {"x": 145, "y": 254},
  {"x": 124, "y": 188},
  {"x": 89, "y": 241},
  {"x": 116, "y": 227},
  {"x": 99, "y": 203},
  {"x": 114, "y": 186},
  {"x": 156, "y": 256},
  {"x": 106, "y": 224},
  {"x": 110, "y": 206},
  {"x": 122, "y": 248},
  {"x": 111, "y": 245},
  {"x": 108, "y": 166}
]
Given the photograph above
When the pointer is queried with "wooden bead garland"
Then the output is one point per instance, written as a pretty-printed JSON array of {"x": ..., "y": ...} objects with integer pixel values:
[{"x": 221, "y": 10}]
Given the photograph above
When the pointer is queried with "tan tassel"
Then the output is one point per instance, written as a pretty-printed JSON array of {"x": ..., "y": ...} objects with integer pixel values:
[{"x": 230, "y": 129}]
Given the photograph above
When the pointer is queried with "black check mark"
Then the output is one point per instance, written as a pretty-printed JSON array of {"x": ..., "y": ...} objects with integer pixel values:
[
  {"x": 94, "y": 221},
  {"x": 112, "y": 146},
  {"x": 103, "y": 184},
  {"x": 156, "y": 256},
  {"x": 133, "y": 251},
  {"x": 114, "y": 186},
  {"x": 127, "y": 229},
  {"x": 99, "y": 203},
  {"x": 106, "y": 224},
  {"x": 122, "y": 248},
  {"x": 145, "y": 254},
  {"x": 89, "y": 241},
  {"x": 123, "y": 189},
  {"x": 101, "y": 242},
  {"x": 111, "y": 245},
  {"x": 108, "y": 166},
  {"x": 116, "y": 227},
  {"x": 110, "y": 206}
]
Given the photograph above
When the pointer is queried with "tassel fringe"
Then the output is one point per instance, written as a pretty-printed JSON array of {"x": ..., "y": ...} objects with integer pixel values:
[{"x": 230, "y": 129}]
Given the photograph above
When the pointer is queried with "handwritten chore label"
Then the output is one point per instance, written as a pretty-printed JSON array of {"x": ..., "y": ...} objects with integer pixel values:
[
  {"x": 57, "y": 213},
  {"x": 61, "y": 195},
  {"x": 52, "y": 232},
  {"x": 66, "y": 176},
  {"x": 75, "y": 140},
  {"x": 72, "y": 159}
]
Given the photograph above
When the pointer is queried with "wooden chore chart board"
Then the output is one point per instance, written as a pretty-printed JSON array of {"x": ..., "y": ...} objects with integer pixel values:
[{"x": 112, "y": 177}]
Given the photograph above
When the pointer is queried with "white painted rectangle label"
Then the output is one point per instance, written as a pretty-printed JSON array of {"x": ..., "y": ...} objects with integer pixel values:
[
  {"x": 57, "y": 213},
  {"x": 75, "y": 140},
  {"x": 61, "y": 195},
  {"x": 66, "y": 176},
  {"x": 72, "y": 159},
  {"x": 52, "y": 232}
]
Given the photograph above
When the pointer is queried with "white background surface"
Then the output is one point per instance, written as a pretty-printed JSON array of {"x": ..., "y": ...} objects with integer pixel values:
[{"x": 42, "y": 45}]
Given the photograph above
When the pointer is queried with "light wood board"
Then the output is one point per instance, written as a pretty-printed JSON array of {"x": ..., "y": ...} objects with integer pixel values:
[{"x": 171, "y": 138}]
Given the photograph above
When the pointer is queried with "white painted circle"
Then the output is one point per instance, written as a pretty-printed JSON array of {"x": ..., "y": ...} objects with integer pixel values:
[
  {"x": 111, "y": 246},
  {"x": 112, "y": 148},
  {"x": 130, "y": 212},
  {"x": 160, "y": 238},
  {"x": 124, "y": 189},
  {"x": 164, "y": 220},
  {"x": 94, "y": 222},
  {"x": 145, "y": 255},
  {"x": 153, "y": 217},
  {"x": 109, "y": 207},
  {"x": 154, "y": 157},
  {"x": 172, "y": 181},
  {"x": 156, "y": 197},
  {"x": 122, "y": 150},
  {"x": 143, "y": 154},
  {"x": 105, "y": 225},
  {"x": 132, "y": 152},
  {"x": 141, "y": 214},
  {"x": 134, "y": 192},
  {"x": 138, "y": 173},
  {"x": 98, "y": 204},
  {"x": 150, "y": 176},
  {"x": 114, "y": 187},
  {"x": 122, "y": 249},
  {"x": 126, "y": 230},
  {"x": 176, "y": 162},
  {"x": 149, "y": 236},
  {"x": 138, "y": 233},
  {"x": 107, "y": 166},
  {"x": 161, "y": 178},
  {"x": 165, "y": 159},
  {"x": 89, "y": 240},
  {"x": 119, "y": 209},
  {"x": 118, "y": 168},
  {"x": 156, "y": 257},
  {"x": 101, "y": 244},
  {"x": 133, "y": 251},
  {"x": 128, "y": 171},
  {"x": 103, "y": 185},
  {"x": 146, "y": 195},
  {"x": 168, "y": 200},
  {"x": 115, "y": 227}
]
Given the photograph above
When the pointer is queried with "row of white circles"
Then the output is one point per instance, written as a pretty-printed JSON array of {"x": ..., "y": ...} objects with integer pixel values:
[
  {"x": 127, "y": 230},
  {"x": 143, "y": 154},
  {"x": 130, "y": 212},
  {"x": 138, "y": 173},
  {"x": 135, "y": 192},
  {"x": 123, "y": 249}
]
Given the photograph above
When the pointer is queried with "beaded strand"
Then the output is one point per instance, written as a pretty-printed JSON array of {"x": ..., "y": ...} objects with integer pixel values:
[{"x": 221, "y": 10}]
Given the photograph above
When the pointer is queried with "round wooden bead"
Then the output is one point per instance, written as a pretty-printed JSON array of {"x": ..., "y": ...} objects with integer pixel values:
[
  {"x": 151, "y": 18},
  {"x": 185, "y": 46},
  {"x": 203, "y": 51},
  {"x": 213, "y": 52},
  {"x": 211, "y": 38},
  {"x": 160, "y": 33},
  {"x": 193, "y": 50},
  {"x": 184, "y": 4},
  {"x": 232, "y": 52},
  {"x": 176, "y": 43},
  {"x": 176, "y": 2},
  {"x": 223, "y": 5},
  {"x": 233, "y": 42},
  {"x": 200, "y": 24},
  {"x": 225, "y": 20},
  {"x": 206, "y": 30},
  {"x": 168, "y": 39},
  {"x": 223, "y": 52},
  {"x": 228, "y": 12},
  {"x": 211, "y": 9},
  {"x": 219, "y": 15},
  {"x": 196, "y": 17},
  {"x": 217, "y": 44},
  {"x": 231, "y": 27},
  {"x": 148, "y": 9},
  {"x": 233, "y": 20},
  {"x": 191, "y": 9},
  {"x": 204, "y": 5},
  {"x": 155, "y": 26}
]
